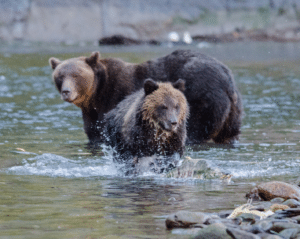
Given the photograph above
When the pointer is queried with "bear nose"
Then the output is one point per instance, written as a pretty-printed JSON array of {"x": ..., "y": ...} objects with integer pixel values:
[
  {"x": 174, "y": 123},
  {"x": 65, "y": 93}
]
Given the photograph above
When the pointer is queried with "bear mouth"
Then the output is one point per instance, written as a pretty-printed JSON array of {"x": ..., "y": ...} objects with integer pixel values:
[
  {"x": 166, "y": 127},
  {"x": 69, "y": 98}
]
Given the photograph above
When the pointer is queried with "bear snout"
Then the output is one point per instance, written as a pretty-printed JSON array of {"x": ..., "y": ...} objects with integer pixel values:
[
  {"x": 65, "y": 94},
  {"x": 174, "y": 124},
  {"x": 169, "y": 125},
  {"x": 68, "y": 91}
]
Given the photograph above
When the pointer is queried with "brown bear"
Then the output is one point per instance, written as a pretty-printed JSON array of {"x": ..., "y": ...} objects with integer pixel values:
[
  {"x": 151, "y": 121},
  {"x": 98, "y": 85}
]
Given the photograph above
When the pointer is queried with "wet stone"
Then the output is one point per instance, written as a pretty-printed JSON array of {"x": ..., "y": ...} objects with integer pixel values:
[
  {"x": 297, "y": 218},
  {"x": 292, "y": 203},
  {"x": 280, "y": 226},
  {"x": 185, "y": 219},
  {"x": 268, "y": 236},
  {"x": 264, "y": 225},
  {"x": 245, "y": 227},
  {"x": 277, "y": 200},
  {"x": 268, "y": 191},
  {"x": 291, "y": 212},
  {"x": 224, "y": 214},
  {"x": 263, "y": 206},
  {"x": 216, "y": 231},
  {"x": 289, "y": 233},
  {"x": 239, "y": 234},
  {"x": 198, "y": 225},
  {"x": 248, "y": 217},
  {"x": 257, "y": 229}
]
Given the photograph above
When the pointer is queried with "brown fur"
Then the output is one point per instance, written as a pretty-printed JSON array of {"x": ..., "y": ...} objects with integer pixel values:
[
  {"x": 98, "y": 85},
  {"x": 141, "y": 126}
]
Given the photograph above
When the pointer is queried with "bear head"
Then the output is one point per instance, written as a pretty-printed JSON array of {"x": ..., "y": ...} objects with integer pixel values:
[
  {"x": 75, "y": 78},
  {"x": 165, "y": 105}
]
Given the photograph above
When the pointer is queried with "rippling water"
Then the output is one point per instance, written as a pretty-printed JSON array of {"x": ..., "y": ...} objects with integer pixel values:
[{"x": 52, "y": 184}]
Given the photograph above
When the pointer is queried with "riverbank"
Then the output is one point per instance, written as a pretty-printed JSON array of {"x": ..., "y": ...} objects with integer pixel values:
[{"x": 90, "y": 20}]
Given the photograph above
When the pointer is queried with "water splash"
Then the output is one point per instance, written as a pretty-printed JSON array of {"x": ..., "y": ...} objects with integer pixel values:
[{"x": 57, "y": 166}]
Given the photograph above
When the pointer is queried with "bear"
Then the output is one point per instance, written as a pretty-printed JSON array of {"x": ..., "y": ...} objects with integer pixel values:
[
  {"x": 97, "y": 85},
  {"x": 151, "y": 121}
]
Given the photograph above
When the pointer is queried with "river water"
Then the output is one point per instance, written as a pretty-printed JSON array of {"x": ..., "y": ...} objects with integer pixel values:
[{"x": 54, "y": 186}]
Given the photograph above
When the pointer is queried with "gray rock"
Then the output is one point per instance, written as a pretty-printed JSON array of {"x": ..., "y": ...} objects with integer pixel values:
[
  {"x": 289, "y": 233},
  {"x": 264, "y": 225},
  {"x": 224, "y": 214},
  {"x": 291, "y": 212},
  {"x": 214, "y": 231},
  {"x": 268, "y": 236},
  {"x": 185, "y": 219},
  {"x": 292, "y": 203},
  {"x": 262, "y": 206},
  {"x": 227, "y": 222},
  {"x": 186, "y": 231},
  {"x": 257, "y": 229},
  {"x": 297, "y": 218},
  {"x": 280, "y": 226},
  {"x": 277, "y": 200},
  {"x": 198, "y": 225},
  {"x": 248, "y": 217},
  {"x": 239, "y": 234}
]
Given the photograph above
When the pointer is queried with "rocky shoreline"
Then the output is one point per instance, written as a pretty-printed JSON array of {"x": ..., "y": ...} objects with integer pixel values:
[
  {"x": 239, "y": 35},
  {"x": 279, "y": 217}
]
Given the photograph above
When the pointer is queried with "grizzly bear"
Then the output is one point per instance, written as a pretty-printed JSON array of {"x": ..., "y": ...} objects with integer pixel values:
[
  {"x": 151, "y": 121},
  {"x": 98, "y": 85}
]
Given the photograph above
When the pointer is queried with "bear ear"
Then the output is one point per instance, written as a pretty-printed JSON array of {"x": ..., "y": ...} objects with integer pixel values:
[
  {"x": 93, "y": 59},
  {"x": 150, "y": 86},
  {"x": 54, "y": 62},
  {"x": 179, "y": 85}
]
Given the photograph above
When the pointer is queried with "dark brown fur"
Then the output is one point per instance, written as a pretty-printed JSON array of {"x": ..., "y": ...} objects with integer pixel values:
[
  {"x": 149, "y": 122},
  {"x": 215, "y": 102}
]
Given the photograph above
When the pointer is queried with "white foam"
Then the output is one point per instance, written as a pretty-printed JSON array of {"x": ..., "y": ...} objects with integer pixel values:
[{"x": 57, "y": 166}]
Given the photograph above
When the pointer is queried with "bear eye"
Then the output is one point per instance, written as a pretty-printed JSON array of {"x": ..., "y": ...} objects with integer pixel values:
[
  {"x": 177, "y": 107},
  {"x": 58, "y": 83}
]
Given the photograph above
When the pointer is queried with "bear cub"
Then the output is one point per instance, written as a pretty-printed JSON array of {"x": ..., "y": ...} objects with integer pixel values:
[{"x": 151, "y": 121}]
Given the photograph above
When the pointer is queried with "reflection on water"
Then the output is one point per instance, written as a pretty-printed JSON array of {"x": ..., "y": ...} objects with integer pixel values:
[{"x": 53, "y": 185}]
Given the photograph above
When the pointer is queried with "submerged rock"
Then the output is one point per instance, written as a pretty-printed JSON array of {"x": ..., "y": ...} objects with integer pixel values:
[{"x": 196, "y": 168}]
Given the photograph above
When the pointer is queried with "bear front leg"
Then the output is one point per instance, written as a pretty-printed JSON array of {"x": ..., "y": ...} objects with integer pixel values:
[{"x": 93, "y": 127}]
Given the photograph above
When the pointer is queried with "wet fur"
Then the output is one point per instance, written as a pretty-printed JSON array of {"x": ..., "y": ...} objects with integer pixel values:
[
  {"x": 215, "y": 102},
  {"x": 134, "y": 132}
]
